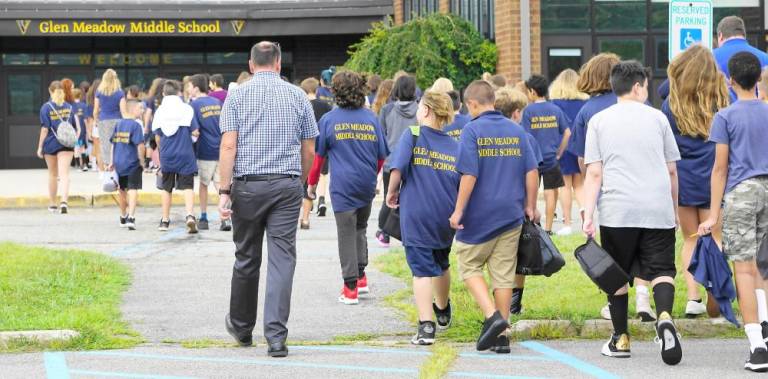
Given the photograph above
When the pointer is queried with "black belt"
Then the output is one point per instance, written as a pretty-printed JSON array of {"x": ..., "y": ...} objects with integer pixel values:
[{"x": 262, "y": 178}]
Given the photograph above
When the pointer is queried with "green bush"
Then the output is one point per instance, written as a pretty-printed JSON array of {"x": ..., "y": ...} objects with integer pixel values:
[{"x": 430, "y": 47}]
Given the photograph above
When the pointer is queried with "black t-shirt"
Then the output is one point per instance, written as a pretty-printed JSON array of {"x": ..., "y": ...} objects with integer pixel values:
[{"x": 320, "y": 108}]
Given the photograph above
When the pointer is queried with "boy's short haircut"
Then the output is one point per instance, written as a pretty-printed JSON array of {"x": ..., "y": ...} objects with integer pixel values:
[
  {"x": 218, "y": 80},
  {"x": 538, "y": 84},
  {"x": 481, "y": 92},
  {"x": 455, "y": 99},
  {"x": 625, "y": 75},
  {"x": 129, "y": 104},
  {"x": 731, "y": 26},
  {"x": 509, "y": 100},
  {"x": 309, "y": 85},
  {"x": 200, "y": 81},
  {"x": 171, "y": 88},
  {"x": 745, "y": 70},
  {"x": 498, "y": 81}
]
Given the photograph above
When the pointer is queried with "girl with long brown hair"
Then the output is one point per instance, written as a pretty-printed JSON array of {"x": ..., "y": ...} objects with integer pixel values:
[
  {"x": 382, "y": 95},
  {"x": 697, "y": 91}
]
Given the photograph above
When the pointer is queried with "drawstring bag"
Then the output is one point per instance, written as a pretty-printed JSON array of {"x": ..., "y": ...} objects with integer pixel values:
[
  {"x": 110, "y": 182},
  {"x": 600, "y": 267},
  {"x": 536, "y": 253},
  {"x": 66, "y": 135},
  {"x": 392, "y": 224}
]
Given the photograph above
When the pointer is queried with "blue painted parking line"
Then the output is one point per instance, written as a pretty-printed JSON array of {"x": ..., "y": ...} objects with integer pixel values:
[
  {"x": 173, "y": 233},
  {"x": 491, "y": 376},
  {"x": 569, "y": 360},
  {"x": 504, "y": 357},
  {"x": 109, "y": 374},
  {"x": 55, "y": 366}
]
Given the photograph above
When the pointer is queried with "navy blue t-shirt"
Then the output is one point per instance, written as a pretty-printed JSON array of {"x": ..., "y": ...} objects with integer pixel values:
[
  {"x": 694, "y": 169},
  {"x": 325, "y": 94},
  {"x": 80, "y": 109},
  {"x": 109, "y": 105},
  {"x": 430, "y": 187},
  {"x": 454, "y": 129},
  {"x": 352, "y": 141},
  {"x": 177, "y": 154},
  {"x": 49, "y": 119},
  {"x": 547, "y": 123},
  {"x": 207, "y": 111},
  {"x": 127, "y": 137},
  {"x": 498, "y": 153},
  {"x": 593, "y": 106}
]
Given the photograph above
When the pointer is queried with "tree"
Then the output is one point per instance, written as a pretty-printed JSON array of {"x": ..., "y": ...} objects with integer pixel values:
[{"x": 430, "y": 47}]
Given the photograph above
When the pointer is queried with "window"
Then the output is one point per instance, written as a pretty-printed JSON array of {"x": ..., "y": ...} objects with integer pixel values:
[
  {"x": 659, "y": 15},
  {"x": 620, "y": 15},
  {"x": 629, "y": 48},
  {"x": 565, "y": 16},
  {"x": 228, "y": 58},
  {"x": 417, "y": 8},
  {"x": 70, "y": 59},
  {"x": 181, "y": 58},
  {"x": 23, "y": 94},
  {"x": 24, "y": 59},
  {"x": 662, "y": 54},
  {"x": 478, "y": 12},
  {"x": 560, "y": 59}
]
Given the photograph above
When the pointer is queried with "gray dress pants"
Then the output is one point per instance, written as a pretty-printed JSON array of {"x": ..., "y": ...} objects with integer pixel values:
[
  {"x": 270, "y": 206},
  {"x": 353, "y": 246}
]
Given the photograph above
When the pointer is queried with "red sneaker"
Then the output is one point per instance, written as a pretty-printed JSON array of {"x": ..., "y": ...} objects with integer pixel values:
[
  {"x": 362, "y": 284},
  {"x": 348, "y": 296}
]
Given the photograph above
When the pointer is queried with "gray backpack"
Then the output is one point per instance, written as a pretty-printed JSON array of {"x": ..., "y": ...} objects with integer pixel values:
[{"x": 66, "y": 135}]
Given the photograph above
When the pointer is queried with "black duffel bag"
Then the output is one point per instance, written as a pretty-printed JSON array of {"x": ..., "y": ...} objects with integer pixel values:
[
  {"x": 600, "y": 267},
  {"x": 536, "y": 253}
]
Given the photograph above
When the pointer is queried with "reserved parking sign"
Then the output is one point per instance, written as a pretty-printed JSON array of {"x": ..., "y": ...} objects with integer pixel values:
[{"x": 690, "y": 23}]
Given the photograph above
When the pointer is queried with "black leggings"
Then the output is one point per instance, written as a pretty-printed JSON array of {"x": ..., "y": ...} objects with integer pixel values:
[{"x": 384, "y": 212}]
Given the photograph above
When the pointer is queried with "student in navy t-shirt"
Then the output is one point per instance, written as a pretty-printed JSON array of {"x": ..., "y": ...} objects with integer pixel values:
[
  {"x": 174, "y": 131},
  {"x": 351, "y": 138},
  {"x": 498, "y": 188},
  {"x": 700, "y": 91},
  {"x": 740, "y": 181},
  {"x": 79, "y": 108},
  {"x": 206, "y": 121},
  {"x": 550, "y": 127},
  {"x": 108, "y": 109},
  {"x": 425, "y": 160},
  {"x": 459, "y": 119},
  {"x": 324, "y": 92},
  {"x": 127, "y": 149}
]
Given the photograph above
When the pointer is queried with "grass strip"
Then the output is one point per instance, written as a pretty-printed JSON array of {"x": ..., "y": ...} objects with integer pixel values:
[{"x": 439, "y": 362}]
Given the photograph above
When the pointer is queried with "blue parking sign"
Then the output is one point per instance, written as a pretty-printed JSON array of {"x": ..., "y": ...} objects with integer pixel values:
[{"x": 689, "y": 37}]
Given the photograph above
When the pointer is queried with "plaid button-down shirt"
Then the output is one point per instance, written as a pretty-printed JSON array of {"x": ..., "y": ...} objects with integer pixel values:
[{"x": 271, "y": 118}]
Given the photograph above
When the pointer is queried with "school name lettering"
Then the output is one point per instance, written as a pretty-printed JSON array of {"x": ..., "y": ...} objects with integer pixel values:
[
  {"x": 360, "y": 132},
  {"x": 503, "y": 147},
  {"x": 122, "y": 137},
  {"x": 433, "y": 159},
  {"x": 543, "y": 122},
  {"x": 210, "y": 111},
  {"x": 131, "y": 27},
  {"x": 64, "y": 113}
]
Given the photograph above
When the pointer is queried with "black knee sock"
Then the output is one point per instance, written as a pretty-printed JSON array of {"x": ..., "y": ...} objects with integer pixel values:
[
  {"x": 664, "y": 296},
  {"x": 618, "y": 305}
]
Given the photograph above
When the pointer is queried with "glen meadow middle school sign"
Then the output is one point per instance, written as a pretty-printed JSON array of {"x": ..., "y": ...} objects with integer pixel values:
[{"x": 129, "y": 27}]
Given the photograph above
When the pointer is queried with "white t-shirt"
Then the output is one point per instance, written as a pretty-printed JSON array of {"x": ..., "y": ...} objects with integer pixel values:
[{"x": 634, "y": 142}]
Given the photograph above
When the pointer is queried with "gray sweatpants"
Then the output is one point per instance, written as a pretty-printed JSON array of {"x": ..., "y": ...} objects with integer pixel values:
[
  {"x": 353, "y": 246},
  {"x": 106, "y": 129}
]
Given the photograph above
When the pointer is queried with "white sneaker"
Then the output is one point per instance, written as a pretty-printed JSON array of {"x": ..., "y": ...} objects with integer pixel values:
[
  {"x": 565, "y": 231},
  {"x": 605, "y": 313},
  {"x": 694, "y": 309},
  {"x": 643, "y": 307}
]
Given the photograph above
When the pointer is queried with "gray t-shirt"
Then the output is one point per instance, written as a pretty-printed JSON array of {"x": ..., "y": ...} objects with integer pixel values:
[{"x": 634, "y": 142}]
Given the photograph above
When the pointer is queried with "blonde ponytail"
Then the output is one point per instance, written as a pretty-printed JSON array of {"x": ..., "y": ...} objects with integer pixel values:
[{"x": 441, "y": 105}]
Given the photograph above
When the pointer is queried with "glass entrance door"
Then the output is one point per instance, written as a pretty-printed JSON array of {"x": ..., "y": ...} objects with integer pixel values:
[{"x": 24, "y": 93}]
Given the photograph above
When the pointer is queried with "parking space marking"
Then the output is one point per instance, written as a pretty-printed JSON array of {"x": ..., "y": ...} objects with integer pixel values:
[
  {"x": 491, "y": 376},
  {"x": 55, "y": 366},
  {"x": 569, "y": 360},
  {"x": 107, "y": 374}
]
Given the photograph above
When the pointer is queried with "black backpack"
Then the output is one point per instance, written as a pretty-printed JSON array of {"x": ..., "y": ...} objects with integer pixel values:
[
  {"x": 536, "y": 253},
  {"x": 600, "y": 267}
]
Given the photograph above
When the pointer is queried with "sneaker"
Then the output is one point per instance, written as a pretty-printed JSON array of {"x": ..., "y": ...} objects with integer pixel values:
[
  {"x": 669, "y": 340},
  {"x": 164, "y": 225},
  {"x": 565, "y": 231},
  {"x": 758, "y": 360},
  {"x": 444, "y": 316},
  {"x": 123, "y": 221},
  {"x": 348, "y": 296},
  {"x": 226, "y": 225},
  {"x": 362, "y": 285},
  {"x": 84, "y": 169},
  {"x": 425, "y": 335},
  {"x": 605, "y": 312},
  {"x": 63, "y": 208},
  {"x": 502, "y": 345},
  {"x": 130, "y": 223},
  {"x": 517, "y": 302},
  {"x": 202, "y": 224},
  {"x": 694, "y": 309},
  {"x": 492, "y": 327},
  {"x": 764, "y": 325},
  {"x": 617, "y": 347},
  {"x": 321, "y": 209},
  {"x": 643, "y": 307},
  {"x": 383, "y": 238},
  {"x": 191, "y": 224},
  {"x": 53, "y": 208}
]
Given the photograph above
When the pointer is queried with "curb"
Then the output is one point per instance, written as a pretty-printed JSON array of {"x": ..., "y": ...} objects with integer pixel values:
[
  {"x": 95, "y": 200},
  {"x": 39, "y": 335},
  {"x": 600, "y": 328}
]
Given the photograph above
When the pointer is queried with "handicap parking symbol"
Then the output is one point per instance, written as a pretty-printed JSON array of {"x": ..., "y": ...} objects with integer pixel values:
[{"x": 689, "y": 37}]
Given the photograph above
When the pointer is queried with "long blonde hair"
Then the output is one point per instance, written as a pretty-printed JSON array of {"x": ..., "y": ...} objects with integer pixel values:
[
  {"x": 697, "y": 91},
  {"x": 110, "y": 83},
  {"x": 442, "y": 85},
  {"x": 441, "y": 105},
  {"x": 57, "y": 92},
  {"x": 566, "y": 87},
  {"x": 382, "y": 95}
]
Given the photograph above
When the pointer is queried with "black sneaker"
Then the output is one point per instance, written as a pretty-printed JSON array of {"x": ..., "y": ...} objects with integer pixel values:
[
  {"x": 443, "y": 316},
  {"x": 164, "y": 225},
  {"x": 130, "y": 222},
  {"x": 202, "y": 224},
  {"x": 191, "y": 224},
  {"x": 321, "y": 209},
  {"x": 617, "y": 346},
  {"x": 669, "y": 340},
  {"x": 502, "y": 345},
  {"x": 226, "y": 225},
  {"x": 53, "y": 208},
  {"x": 758, "y": 360},
  {"x": 123, "y": 221},
  {"x": 425, "y": 335},
  {"x": 764, "y": 325},
  {"x": 517, "y": 301},
  {"x": 63, "y": 208},
  {"x": 492, "y": 327}
]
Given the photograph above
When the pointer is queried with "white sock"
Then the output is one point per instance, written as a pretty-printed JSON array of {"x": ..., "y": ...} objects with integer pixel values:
[
  {"x": 755, "y": 335},
  {"x": 762, "y": 308},
  {"x": 641, "y": 290}
]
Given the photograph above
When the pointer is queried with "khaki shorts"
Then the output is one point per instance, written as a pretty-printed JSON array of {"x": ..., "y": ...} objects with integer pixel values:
[
  {"x": 745, "y": 219},
  {"x": 499, "y": 254},
  {"x": 208, "y": 171}
]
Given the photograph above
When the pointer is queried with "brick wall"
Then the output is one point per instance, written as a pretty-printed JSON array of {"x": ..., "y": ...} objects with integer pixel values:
[
  {"x": 398, "y": 12},
  {"x": 444, "y": 6},
  {"x": 508, "y": 38},
  {"x": 312, "y": 54}
]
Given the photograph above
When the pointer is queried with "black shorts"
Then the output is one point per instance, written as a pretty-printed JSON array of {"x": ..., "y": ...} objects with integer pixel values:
[
  {"x": 552, "y": 178},
  {"x": 324, "y": 169},
  {"x": 177, "y": 181},
  {"x": 643, "y": 253},
  {"x": 131, "y": 181}
]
